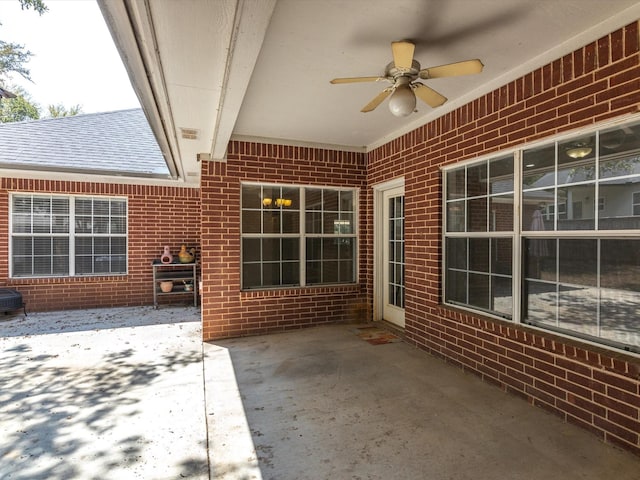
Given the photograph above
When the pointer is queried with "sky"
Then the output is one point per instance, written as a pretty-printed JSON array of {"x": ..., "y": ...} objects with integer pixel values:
[{"x": 74, "y": 62}]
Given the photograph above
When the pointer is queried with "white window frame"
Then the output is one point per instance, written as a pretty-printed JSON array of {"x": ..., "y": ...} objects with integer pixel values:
[
  {"x": 71, "y": 234},
  {"x": 302, "y": 235},
  {"x": 520, "y": 229}
]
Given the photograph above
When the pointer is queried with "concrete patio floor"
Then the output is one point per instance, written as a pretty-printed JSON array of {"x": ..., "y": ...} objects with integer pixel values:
[
  {"x": 132, "y": 393},
  {"x": 102, "y": 394}
]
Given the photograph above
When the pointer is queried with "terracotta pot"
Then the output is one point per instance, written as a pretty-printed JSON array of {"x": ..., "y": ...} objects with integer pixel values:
[{"x": 166, "y": 286}]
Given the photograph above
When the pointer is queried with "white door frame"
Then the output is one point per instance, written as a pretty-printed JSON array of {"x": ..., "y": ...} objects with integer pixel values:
[{"x": 379, "y": 243}]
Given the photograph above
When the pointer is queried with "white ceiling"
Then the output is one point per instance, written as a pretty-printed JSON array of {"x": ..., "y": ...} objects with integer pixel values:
[{"x": 260, "y": 69}]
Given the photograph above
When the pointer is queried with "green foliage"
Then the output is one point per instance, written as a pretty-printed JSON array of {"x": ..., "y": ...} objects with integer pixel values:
[
  {"x": 18, "y": 109},
  {"x": 37, "y": 5},
  {"x": 59, "y": 110},
  {"x": 13, "y": 58}
]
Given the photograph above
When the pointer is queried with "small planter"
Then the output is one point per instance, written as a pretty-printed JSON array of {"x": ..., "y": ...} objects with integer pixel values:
[{"x": 166, "y": 286}]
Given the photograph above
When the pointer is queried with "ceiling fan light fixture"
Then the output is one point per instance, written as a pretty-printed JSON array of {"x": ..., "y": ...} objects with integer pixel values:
[
  {"x": 402, "y": 101},
  {"x": 579, "y": 151}
]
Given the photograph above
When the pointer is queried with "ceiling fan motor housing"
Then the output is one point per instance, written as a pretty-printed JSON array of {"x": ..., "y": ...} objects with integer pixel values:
[{"x": 392, "y": 73}]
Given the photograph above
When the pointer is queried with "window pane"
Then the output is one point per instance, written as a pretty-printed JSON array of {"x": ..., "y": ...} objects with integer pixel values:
[
  {"x": 539, "y": 302},
  {"x": 101, "y": 207},
  {"x": 618, "y": 211},
  {"x": 347, "y": 249},
  {"x": 330, "y": 249},
  {"x": 251, "y": 221},
  {"x": 118, "y": 225},
  {"x": 347, "y": 274},
  {"x": 313, "y": 198},
  {"x": 271, "y": 249},
  {"x": 21, "y": 204},
  {"x": 313, "y": 222},
  {"x": 501, "y": 213},
  {"x": 290, "y": 221},
  {"x": 576, "y": 160},
  {"x": 271, "y": 221},
  {"x": 118, "y": 208},
  {"x": 477, "y": 215},
  {"x": 313, "y": 271},
  {"x": 84, "y": 224},
  {"x": 250, "y": 250},
  {"x": 100, "y": 225},
  {"x": 455, "y": 183},
  {"x": 84, "y": 245},
  {"x": 271, "y": 274},
  {"x": 330, "y": 272},
  {"x": 84, "y": 206},
  {"x": 314, "y": 248},
  {"x": 345, "y": 225},
  {"x": 620, "y": 264},
  {"x": 21, "y": 223},
  {"x": 346, "y": 201},
  {"x": 456, "y": 286},
  {"x": 456, "y": 216},
  {"x": 538, "y": 167},
  {"x": 538, "y": 210},
  {"x": 479, "y": 254},
  {"x": 330, "y": 200},
  {"x": 540, "y": 258},
  {"x": 578, "y": 309},
  {"x": 251, "y": 275},
  {"x": 501, "y": 175},
  {"x": 479, "y": 290},
  {"x": 22, "y": 246},
  {"x": 619, "y": 314},
  {"x": 252, "y": 196},
  {"x": 578, "y": 262},
  {"x": 502, "y": 296},
  {"x": 477, "y": 180},
  {"x": 102, "y": 246},
  {"x": 118, "y": 245},
  {"x": 501, "y": 255},
  {"x": 291, "y": 273},
  {"x": 457, "y": 253},
  {"x": 580, "y": 207},
  {"x": 41, "y": 224},
  {"x": 290, "y": 249},
  {"x": 330, "y": 220}
]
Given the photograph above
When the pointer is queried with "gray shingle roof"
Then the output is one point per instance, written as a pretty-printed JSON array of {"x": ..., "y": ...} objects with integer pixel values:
[{"x": 115, "y": 143}]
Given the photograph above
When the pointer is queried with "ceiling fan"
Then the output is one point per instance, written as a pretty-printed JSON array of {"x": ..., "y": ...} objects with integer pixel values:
[{"x": 403, "y": 72}]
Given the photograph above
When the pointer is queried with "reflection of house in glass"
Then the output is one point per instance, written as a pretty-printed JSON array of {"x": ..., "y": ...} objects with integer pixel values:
[{"x": 577, "y": 204}]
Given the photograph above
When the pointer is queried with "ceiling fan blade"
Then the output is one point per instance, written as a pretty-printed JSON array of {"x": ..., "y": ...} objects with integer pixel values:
[
  {"x": 428, "y": 95},
  {"x": 377, "y": 101},
  {"x": 356, "y": 79},
  {"x": 468, "y": 67},
  {"x": 402, "y": 54}
]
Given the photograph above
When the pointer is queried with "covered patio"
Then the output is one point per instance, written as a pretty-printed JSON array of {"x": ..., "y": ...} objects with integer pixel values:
[{"x": 133, "y": 393}]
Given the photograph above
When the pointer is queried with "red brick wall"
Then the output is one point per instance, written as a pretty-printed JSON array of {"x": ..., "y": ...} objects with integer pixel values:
[
  {"x": 158, "y": 216},
  {"x": 594, "y": 388},
  {"x": 226, "y": 310}
]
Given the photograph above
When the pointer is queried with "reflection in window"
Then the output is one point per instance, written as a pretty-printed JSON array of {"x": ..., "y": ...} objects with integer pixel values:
[
  {"x": 579, "y": 222},
  {"x": 290, "y": 230}
]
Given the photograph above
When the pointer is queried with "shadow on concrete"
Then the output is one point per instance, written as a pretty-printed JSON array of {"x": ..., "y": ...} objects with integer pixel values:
[
  {"x": 102, "y": 404},
  {"x": 15, "y": 324}
]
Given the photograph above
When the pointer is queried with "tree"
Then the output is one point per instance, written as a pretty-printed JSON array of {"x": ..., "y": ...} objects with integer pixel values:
[
  {"x": 13, "y": 56},
  {"x": 59, "y": 110},
  {"x": 18, "y": 109}
]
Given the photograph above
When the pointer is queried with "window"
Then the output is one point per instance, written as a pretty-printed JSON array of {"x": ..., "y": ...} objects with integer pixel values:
[
  {"x": 576, "y": 261},
  {"x": 55, "y": 235},
  {"x": 297, "y": 236},
  {"x": 635, "y": 199}
]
